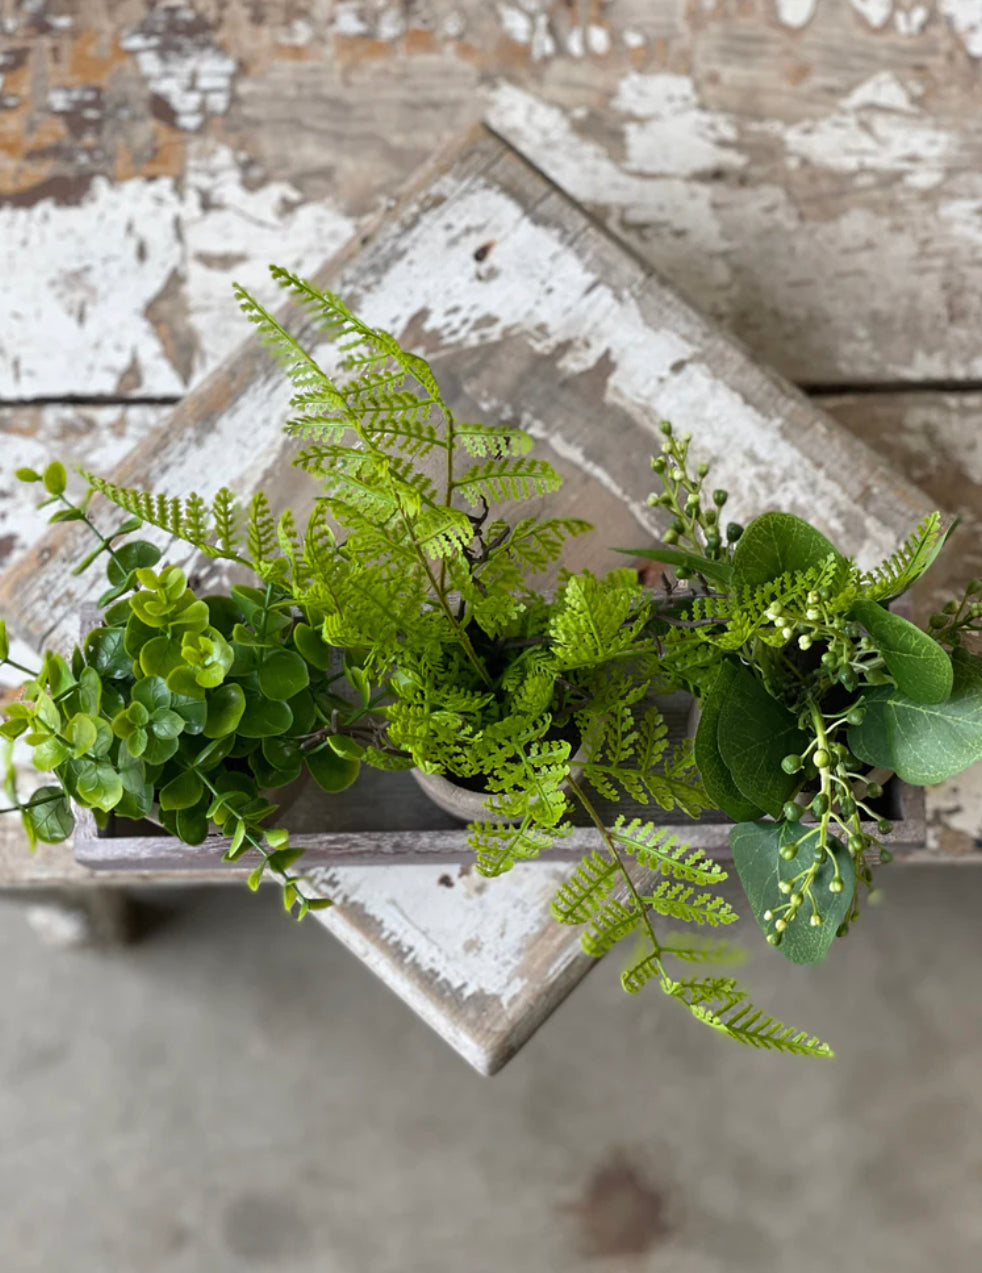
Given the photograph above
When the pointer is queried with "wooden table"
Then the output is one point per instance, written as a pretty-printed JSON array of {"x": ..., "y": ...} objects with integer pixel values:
[{"x": 804, "y": 172}]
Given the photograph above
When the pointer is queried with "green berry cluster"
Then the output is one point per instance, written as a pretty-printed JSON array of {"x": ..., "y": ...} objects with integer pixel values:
[{"x": 695, "y": 513}]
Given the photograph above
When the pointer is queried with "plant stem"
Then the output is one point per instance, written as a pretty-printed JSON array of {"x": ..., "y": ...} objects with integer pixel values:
[{"x": 611, "y": 847}]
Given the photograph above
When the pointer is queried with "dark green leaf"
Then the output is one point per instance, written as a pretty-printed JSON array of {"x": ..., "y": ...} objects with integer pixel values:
[
  {"x": 923, "y": 743},
  {"x": 48, "y": 816},
  {"x": 160, "y": 656},
  {"x": 223, "y": 613},
  {"x": 270, "y": 775},
  {"x": 104, "y": 650},
  {"x": 137, "y": 633},
  {"x": 51, "y": 753},
  {"x": 921, "y": 668},
  {"x": 225, "y": 708},
  {"x": 66, "y": 515},
  {"x": 283, "y": 674},
  {"x": 329, "y": 771},
  {"x": 98, "y": 784},
  {"x": 193, "y": 710},
  {"x": 718, "y": 572},
  {"x": 345, "y": 747},
  {"x": 191, "y": 825},
  {"x": 159, "y": 749},
  {"x": 89, "y": 691},
  {"x": 4, "y": 642},
  {"x": 130, "y": 557},
  {"x": 312, "y": 646},
  {"x": 182, "y": 792},
  {"x": 166, "y": 723},
  {"x": 760, "y": 867},
  {"x": 755, "y": 732},
  {"x": 152, "y": 693},
  {"x": 716, "y": 777},
  {"x": 304, "y": 712},
  {"x": 264, "y": 717},
  {"x": 775, "y": 544}
]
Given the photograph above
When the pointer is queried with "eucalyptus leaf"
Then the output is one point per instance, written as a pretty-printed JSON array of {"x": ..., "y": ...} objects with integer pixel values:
[
  {"x": 775, "y": 544},
  {"x": 923, "y": 743},
  {"x": 151, "y": 693},
  {"x": 182, "y": 792},
  {"x": 283, "y": 674},
  {"x": 225, "y": 707},
  {"x": 758, "y": 862},
  {"x": 717, "y": 779},
  {"x": 922, "y": 669},
  {"x": 106, "y": 652},
  {"x": 330, "y": 771},
  {"x": 312, "y": 646},
  {"x": 129, "y": 558},
  {"x": 98, "y": 784},
  {"x": 755, "y": 732},
  {"x": 48, "y": 816},
  {"x": 264, "y": 717}
]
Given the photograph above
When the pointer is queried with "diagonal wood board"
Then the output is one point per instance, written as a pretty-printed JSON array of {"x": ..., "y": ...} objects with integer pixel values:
[{"x": 532, "y": 314}]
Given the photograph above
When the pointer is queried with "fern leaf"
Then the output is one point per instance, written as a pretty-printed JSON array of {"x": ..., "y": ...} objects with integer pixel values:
[
  {"x": 506, "y": 479},
  {"x": 578, "y": 899},
  {"x": 909, "y": 562},
  {"x": 492, "y": 440},
  {"x": 681, "y": 902},
  {"x": 749, "y": 1025},
  {"x": 658, "y": 849},
  {"x": 695, "y": 948},
  {"x": 499, "y": 846},
  {"x": 612, "y": 922},
  {"x": 225, "y": 511},
  {"x": 641, "y": 972},
  {"x": 261, "y": 537}
]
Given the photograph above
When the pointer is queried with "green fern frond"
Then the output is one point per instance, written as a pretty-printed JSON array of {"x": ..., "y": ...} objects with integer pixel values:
[
  {"x": 610, "y": 923},
  {"x": 261, "y": 537},
  {"x": 533, "y": 545},
  {"x": 492, "y": 440},
  {"x": 723, "y": 993},
  {"x": 749, "y": 1025},
  {"x": 682, "y": 902},
  {"x": 645, "y": 969},
  {"x": 696, "y": 948},
  {"x": 499, "y": 846},
  {"x": 214, "y": 531},
  {"x": 498, "y": 480},
  {"x": 578, "y": 899},
  {"x": 908, "y": 563},
  {"x": 657, "y": 849}
]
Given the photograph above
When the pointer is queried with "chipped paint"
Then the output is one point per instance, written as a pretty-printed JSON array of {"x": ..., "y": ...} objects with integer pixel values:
[
  {"x": 181, "y": 65},
  {"x": 469, "y": 939},
  {"x": 795, "y": 13},
  {"x": 911, "y": 21},
  {"x": 965, "y": 17},
  {"x": 668, "y": 132},
  {"x": 875, "y": 12},
  {"x": 109, "y": 260}
]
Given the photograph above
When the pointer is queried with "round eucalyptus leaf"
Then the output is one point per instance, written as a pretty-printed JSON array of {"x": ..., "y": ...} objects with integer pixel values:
[
  {"x": 182, "y": 792},
  {"x": 106, "y": 652},
  {"x": 225, "y": 707},
  {"x": 48, "y": 815},
  {"x": 130, "y": 557},
  {"x": 312, "y": 646},
  {"x": 283, "y": 674},
  {"x": 98, "y": 784},
  {"x": 330, "y": 771},
  {"x": 264, "y": 717}
]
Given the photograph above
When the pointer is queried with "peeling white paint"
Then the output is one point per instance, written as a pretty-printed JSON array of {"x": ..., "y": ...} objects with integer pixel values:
[
  {"x": 671, "y": 134},
  {"x": 195, "y": 80},
  {"x": 472, "y": 938},
  {"x": 516, "y": 23},
  {"x": 633, "y": 39},
  {"x": 965, "y": 17},
  {"x": 875, "y": 129},
  {"x": 78, "y": 279},
  {"x": 795, "y": 13},
  {"x": 876, "y": 12},
  {"x": 911, "y": 21},
  {"x": 348, "y": 19},
  {"x": 598, "y": 39}
]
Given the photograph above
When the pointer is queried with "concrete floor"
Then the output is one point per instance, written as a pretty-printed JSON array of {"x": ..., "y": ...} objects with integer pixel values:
[{"x": 236, "y": 1093}]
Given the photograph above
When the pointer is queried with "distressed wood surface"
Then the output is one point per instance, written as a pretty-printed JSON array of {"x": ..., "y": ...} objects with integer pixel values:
[
  {"x": 807, "y": 171},
  {"x": 530, "y": 312}
]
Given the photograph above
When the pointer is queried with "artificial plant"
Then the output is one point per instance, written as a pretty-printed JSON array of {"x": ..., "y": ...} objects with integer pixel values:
[{"x": 809, "y": 685}]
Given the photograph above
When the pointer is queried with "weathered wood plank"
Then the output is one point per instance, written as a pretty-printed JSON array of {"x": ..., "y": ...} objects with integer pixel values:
[
  {"x": 530, "y": 312},
  {"x": 807, "y": 172}
]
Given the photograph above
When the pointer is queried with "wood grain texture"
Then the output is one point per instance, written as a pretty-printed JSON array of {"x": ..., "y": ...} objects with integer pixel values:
[
  {"x": 530, "y": 312},
  {"x": 807, "y": 171}
]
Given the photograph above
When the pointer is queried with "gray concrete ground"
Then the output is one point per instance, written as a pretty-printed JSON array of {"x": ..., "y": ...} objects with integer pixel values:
[{"x": 236, "y": 1093}]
